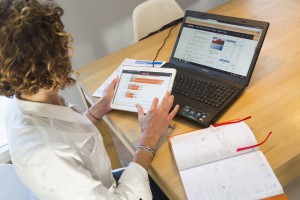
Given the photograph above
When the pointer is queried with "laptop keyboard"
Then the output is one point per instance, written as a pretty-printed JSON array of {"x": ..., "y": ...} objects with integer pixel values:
[{"x": 201, "y": 90}]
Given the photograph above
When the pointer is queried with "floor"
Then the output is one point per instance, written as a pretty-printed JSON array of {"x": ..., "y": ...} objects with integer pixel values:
[{"x": 292, "y": 190}]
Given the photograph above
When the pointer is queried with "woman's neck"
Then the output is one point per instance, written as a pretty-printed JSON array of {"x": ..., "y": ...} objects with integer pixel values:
[{"x": 45, "y": 96}]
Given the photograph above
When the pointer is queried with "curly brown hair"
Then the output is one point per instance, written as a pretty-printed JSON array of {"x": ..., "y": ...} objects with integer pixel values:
[{"x": 34, "y": 48}]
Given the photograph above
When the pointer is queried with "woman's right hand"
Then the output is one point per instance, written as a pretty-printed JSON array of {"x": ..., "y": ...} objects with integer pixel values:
[{"x": 155, "y": 123}]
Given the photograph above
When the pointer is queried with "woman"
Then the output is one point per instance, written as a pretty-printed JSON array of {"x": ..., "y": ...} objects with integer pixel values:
[{"x": 58, "y": 152}]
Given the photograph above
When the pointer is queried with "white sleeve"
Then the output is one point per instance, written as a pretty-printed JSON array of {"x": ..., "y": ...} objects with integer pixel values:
[
  {"x": 61, "y": 175},
  {"x": 135, "y": 177}
]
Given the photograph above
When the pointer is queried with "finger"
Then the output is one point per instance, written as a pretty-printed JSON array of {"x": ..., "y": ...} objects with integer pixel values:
[
  {"x": 174, "y": 112},
  {"x": 111, "y": 86},
  {"x": 164, "y": 100},
  {"x": 140, "y": 111},
  {"x": 169, "y": 103},
  {"x": 154, "y": 103},
  {"x": 114, "y": 82}
]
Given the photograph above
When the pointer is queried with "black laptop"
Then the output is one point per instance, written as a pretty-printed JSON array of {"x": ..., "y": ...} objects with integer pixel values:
[{"x": 214, "y": 56}]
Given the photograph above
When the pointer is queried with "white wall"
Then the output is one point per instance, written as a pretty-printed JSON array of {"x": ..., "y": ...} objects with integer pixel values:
[{"x": 101, "y": 27}]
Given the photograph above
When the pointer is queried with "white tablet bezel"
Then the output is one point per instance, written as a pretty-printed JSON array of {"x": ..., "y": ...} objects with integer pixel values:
[{"x": 131, "y": 108}]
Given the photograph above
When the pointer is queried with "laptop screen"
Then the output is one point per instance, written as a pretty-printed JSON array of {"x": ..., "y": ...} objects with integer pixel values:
[{"x": 215, "y": 44}]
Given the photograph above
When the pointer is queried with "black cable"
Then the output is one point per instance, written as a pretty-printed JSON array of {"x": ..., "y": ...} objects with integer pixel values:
[
  {"x": 163, "y": 44},
  {"x": 168, "y": 25}
]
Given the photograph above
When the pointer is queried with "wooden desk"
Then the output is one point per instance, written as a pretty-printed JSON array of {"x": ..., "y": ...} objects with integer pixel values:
[{"x": 272, "y": 97}]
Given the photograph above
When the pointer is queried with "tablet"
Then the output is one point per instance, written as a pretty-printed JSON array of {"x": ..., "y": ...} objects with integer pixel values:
[{"x": 140, "y": 85}]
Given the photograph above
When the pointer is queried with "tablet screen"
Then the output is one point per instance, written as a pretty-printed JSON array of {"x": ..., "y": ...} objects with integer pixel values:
[{"x": 141, "y": 87}]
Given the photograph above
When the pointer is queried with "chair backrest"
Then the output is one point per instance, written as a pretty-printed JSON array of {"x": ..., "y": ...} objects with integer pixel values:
[
  {"x": 74, "y": 95},
  {"x": 11, "y": 187},
  {"x": 151, "y": 15},
  {"x": 4, "y": 152}
]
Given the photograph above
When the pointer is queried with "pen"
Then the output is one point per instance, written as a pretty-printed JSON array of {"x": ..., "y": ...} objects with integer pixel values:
[
  {"x": 157, "y": 63},
  {"x": 145, "y": 62}
]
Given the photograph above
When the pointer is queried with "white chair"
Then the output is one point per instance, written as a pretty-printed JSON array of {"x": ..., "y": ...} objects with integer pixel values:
[
  {"x": 152, "y": 15},
  {"x": 4, "y": 152},
  {"x": 11, "y": 187},
  {"x": 75, "y": 95}
]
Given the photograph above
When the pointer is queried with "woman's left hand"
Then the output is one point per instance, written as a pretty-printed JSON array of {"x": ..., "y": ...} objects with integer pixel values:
[
  {"x": 108, "y": 95},
  {"x": 102, "y": 107}
]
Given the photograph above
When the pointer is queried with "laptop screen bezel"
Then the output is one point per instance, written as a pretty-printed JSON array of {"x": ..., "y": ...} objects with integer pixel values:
[{"x": 214, "y": 72}]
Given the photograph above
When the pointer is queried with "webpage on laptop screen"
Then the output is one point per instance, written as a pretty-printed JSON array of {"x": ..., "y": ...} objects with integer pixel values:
[{"x": 222, "y": 46}]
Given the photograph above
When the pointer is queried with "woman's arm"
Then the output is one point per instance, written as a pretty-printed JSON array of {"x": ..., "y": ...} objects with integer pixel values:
[
  {"x": 102, "y": 106},
  {"x": 153, "y": 126}
]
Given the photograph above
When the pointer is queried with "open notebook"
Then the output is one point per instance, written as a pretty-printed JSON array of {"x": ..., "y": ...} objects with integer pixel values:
[{"x": 211, "y": 168}]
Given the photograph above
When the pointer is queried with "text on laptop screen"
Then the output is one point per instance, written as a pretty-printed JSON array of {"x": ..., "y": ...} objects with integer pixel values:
[{"x": 218, "y": 45}]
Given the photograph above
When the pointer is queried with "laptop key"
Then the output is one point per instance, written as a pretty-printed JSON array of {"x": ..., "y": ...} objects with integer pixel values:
[{"x": 201, "y": 90}]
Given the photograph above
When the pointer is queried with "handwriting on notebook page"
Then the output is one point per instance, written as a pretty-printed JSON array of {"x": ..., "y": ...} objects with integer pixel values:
[
  {"x": 211, "y": 144},
  {"x": 232, "y": 178}
]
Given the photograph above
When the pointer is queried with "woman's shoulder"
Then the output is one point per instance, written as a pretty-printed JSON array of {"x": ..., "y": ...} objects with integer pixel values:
[{"x": 41, "y": 153}]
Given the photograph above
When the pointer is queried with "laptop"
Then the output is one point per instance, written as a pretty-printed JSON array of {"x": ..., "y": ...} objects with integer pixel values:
[{"x": 214, "y": 57}]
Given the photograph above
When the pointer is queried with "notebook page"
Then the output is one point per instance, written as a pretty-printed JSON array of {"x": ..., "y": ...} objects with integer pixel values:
[
  {"x": 211, "y": 144},
  {"x": 248, "y": 176}
]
